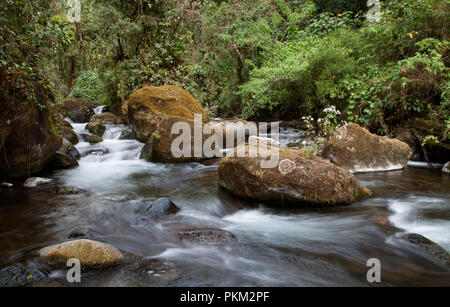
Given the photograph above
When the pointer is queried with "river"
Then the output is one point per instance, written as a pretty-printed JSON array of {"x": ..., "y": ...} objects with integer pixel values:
[{"x": 275, "y": 246}]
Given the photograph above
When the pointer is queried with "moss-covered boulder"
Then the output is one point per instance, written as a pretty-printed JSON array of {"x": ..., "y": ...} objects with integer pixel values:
[
  {"x": 28, "y": 135},
  {"x": 355, "y": 149},
  {"x": 106, "y": 118},
  {"x": 69, "y": 149},
  {"x": 432, "y": 249},
  {"x": 79, "y": 110},
  {"x": 159, "y": 146},
  {"x": 96, "y": 128},
  {"x": 298, "y": 178},
  {"x": 91, "y": 254},
  {"x": 149, "y": 105}
]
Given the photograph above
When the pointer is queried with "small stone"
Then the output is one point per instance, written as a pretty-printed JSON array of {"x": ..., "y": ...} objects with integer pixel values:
[
  {"x": 33, "y": 182},
  {"x": 6, "y": 185},
  {"x": 91, "y": 254}
]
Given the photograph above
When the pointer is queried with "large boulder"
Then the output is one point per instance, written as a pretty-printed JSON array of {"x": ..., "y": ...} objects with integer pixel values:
[
  {"x": 79, "y": 110},
  {"x": 298, "y": 178},
  {"x": 96, "y": 128},
  {"x": 27, "y": 135},
  {"x": 91, "y": 254},
  {"x": 106, "y": 118},
  {"x": 149, "y": 105},
  {"x": 355, "y": 149},
  {"x": 159, "y": 146}
]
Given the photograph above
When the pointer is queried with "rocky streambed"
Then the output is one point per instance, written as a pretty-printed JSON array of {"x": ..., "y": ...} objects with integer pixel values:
[{"x": 172, "y": 225}]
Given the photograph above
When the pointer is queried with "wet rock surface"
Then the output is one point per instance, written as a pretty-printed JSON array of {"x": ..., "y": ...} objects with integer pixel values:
[
  {"x": 34, "y": 182},
  {"x": 435, "y": 251},
  {"x": 79, "y": 110},
  {"x": 70, "y": 135},
  {"x": 90, "y": 253},
  {"x": 63, "y": 161},
  {"x": 96, "y": 128},
  {"x": 298, "y": 178},
  {"x": 19, "y": 275},
  {"x": 206, "y": 236},
  {"x": 355, "y": 149},
  {"x": 106, "y": 118},
  {"x": 156, "y": 209}
]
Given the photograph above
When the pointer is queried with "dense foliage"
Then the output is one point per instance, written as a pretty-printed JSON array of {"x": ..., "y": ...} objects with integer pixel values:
[{"x": 258, "y": 59}]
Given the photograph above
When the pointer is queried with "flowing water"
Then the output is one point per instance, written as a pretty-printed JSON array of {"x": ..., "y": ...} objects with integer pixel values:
[{"x": 275, "y": 246}]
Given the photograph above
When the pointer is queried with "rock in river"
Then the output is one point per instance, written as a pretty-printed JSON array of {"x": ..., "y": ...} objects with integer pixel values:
[
  {"x": 70, "y": 135},
  {"x": 27, "y": 135},
  {"x": 96, "y": 128},
  {"x": 429, "y": 247},
  {"x": 18, "y": 275},
  {"x": 91, "y": 138},
  {"x": 159, "y": 147},
  {"x": 106, "y": 118},
  {"x": 357, "y": 150},
  {"x": 149, "y": 105},
  {"x": 34, "y": 182},
  {"x": 63, "y": 161},
  {"x": 298, "y": 178},
  {"x": 69, "y": 149},
  {"x": 446, "y": 168},
  {"x": 206, "y": 236},
  {"x": 158, "y": 208},
  {"x": 92, "y": 254}
]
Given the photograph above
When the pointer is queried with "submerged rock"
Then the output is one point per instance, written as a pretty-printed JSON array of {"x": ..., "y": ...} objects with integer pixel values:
[
  {"x": 431, "y": 248},
  {"x": 158, "y": 208},
  {"x": 106, "y": 118},
  {"x": 18, "y": 275},
  {"x": 149, "y": 105},
  {"x": 91, "y": 138},
  {"x": 70, "y": 190},
  {"x": 79, "y": 110},
  {"x": 159, "y": 147},
  {"x": 63, "y": 161},
  {"x": 206, "y": 236},
  {"x": 96, "y": 128},
  {"x": 70, "y": 135},
  {"x": 34, "y": 182},
  {"x": 297, "y": 178},
  {"x": 357, "y": 150},
  {"x": 92, "y": 254},
  {"x": 446, "y": 168},
  {"x": 96, "y": 152}
]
